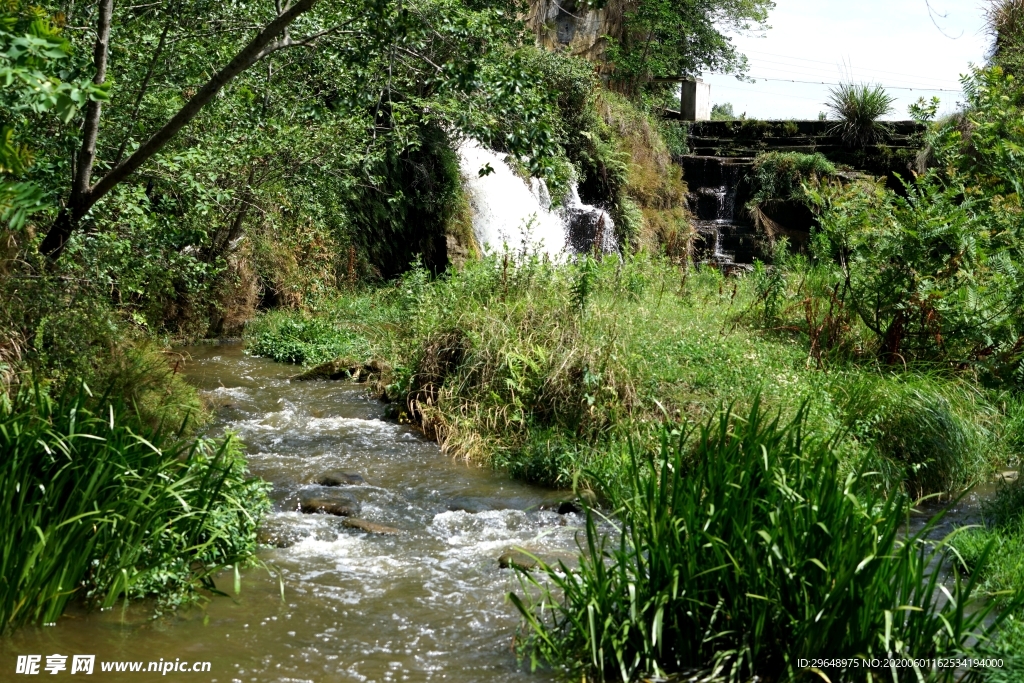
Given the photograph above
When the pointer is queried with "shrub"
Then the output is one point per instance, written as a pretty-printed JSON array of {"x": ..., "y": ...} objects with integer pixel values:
[
  {"x": 933, "y": 275},
  {"x": 305, "y": 341},
  {"x": 780, "y": 176},
  {"x": 858, "y": 108},
  {"x": 741, "y": 555}
]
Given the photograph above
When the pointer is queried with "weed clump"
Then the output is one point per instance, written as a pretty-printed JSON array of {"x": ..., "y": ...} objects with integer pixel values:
[
  {"x": 933, "y": 436},
  {"x": 101, "y": 506},
  {"x": 741, "y": 552},
  {"x": 858, "y": 108}
]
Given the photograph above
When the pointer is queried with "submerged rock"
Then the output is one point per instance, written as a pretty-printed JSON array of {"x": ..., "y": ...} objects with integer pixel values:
[
  {"x": 340, "y": 479},
  {"x": 517, "y": 560},
  {"x": 369, "y": 527},
  {"x": 570, "y": 507},
  {"x": 278, "y": 536},
  {"x": 468, "y": 504},
  {"x": 328, "y": 503},
  {"x": 335, "y": 369}
]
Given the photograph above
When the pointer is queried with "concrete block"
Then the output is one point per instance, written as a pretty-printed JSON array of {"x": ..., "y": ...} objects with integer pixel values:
[{"x": 695, "y": 104}]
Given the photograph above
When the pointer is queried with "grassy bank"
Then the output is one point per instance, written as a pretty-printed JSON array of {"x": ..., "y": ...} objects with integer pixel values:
[
  {"x": 538, "y": 369},
  {"x": 110, "y": 494}
]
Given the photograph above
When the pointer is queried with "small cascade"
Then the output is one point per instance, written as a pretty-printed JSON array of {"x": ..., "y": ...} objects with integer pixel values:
[
  {"x": 508, "y": 212},
  {"x": 717, "y": 187},
  {"x": 588, "y": 228}
]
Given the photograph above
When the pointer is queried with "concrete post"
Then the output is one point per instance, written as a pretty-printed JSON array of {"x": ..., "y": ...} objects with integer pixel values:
[{"x": 695, "y": 103}]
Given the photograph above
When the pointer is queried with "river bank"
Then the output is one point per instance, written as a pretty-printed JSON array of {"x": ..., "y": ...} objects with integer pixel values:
[{"x": 541, "y": 370}]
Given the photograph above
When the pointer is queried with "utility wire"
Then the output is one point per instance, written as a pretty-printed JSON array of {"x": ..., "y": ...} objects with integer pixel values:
[
  {"x": 759, "y": 61},
  {"x": 887, "y": 87},
  {"x": 818, "y": 61},
  {"x": 807, "y": 74},
  {"x": 770, "y": 92}
]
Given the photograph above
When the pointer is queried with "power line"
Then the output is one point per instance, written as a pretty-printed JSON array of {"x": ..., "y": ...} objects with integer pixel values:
[
  {"x": 818, "y": 75},
  {"x": 887, "y": 87},
  {"x": 770, "y": 92},
  {"x": 812, "y": 68},
  {"x": 817, "y": 61}
]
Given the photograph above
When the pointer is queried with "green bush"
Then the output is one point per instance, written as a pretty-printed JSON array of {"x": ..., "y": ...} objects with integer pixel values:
[
  {"x": 742, "y": 554},
  {"x": 304, "y": 341},
  {"x": 98, "y": 505},
  {"x": 935, "y": 274},
  {"x": 780, "y": 176},
  {"x": 934, "y": 436}
]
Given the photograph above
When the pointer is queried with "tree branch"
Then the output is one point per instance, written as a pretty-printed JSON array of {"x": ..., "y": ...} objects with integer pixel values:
[
  {"x": 252, "y": 53},
  {"x": 91, "y": 124},
  {"x": 260, "y": 46},
  {"x": 144, "y": 87}
]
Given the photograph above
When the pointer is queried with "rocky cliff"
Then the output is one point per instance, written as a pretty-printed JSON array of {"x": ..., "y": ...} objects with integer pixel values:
[{"x": 576, "y": 25}]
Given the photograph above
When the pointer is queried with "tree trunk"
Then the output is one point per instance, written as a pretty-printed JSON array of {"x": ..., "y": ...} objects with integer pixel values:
[{"x": 75, "y": 209}]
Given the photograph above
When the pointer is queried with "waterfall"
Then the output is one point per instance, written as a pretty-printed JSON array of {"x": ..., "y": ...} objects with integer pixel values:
[
  {"x": 510, "y": 212},
  {"x": 717, "y": 186}
]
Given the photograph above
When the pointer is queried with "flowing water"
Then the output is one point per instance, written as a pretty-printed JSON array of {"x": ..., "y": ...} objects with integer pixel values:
[
  {"x": 510, "y": 212},
  {"x": 428, "y": 604},
  {"x": 716, "y": 189}
]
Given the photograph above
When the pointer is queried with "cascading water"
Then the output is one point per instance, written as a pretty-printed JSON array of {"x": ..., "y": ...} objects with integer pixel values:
[
  {"x": 508, "y": 212},
  {"x": 716, "y": 185}
]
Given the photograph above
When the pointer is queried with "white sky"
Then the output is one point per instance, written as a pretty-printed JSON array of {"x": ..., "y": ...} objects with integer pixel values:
[{"x": 891, "y": 42}]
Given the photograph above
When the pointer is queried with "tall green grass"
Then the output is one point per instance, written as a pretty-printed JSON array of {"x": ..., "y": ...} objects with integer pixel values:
[
  {"x": 858, "y": 108},
  {"x": 742, "y": 551},
  {"x": 933, "y": 434},
  {"x": 541, "y": 369},
  {"x": 99, "y": 505}
]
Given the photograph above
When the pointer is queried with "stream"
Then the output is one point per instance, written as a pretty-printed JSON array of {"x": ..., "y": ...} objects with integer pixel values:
[{"x": 428, "y": 604}]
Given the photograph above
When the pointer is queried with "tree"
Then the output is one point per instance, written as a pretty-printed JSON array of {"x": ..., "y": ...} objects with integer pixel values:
[
  {"x": 723, "y": 112},
  {"x": 33, "y": 57},
  {"x": 84, "y": 193},
  {"x": 677, "y": 38}
]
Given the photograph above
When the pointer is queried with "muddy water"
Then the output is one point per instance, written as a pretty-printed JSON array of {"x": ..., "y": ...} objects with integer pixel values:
[{"x": 425, "y": 605}]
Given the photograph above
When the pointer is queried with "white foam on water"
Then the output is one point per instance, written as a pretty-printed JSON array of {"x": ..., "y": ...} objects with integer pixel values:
[
  {"x": 233, "y": 392},
  {"x": 510, "y": 213},
  {"x": 507, "y": 211}
]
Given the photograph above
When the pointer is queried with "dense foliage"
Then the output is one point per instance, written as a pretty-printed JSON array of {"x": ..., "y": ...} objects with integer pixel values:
[
  {"x": 935, "y": 274},
  {"x": 662, "y": 39},
  {"x": 741, "y": 555}
]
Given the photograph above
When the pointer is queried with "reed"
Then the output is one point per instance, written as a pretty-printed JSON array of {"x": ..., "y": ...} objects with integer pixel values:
[
  {"x": 741, "y": 551},
  {"x": 99, "y": 506}
]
